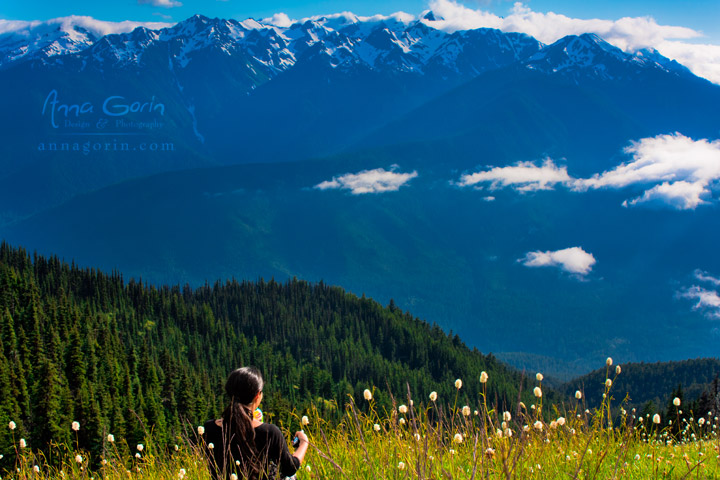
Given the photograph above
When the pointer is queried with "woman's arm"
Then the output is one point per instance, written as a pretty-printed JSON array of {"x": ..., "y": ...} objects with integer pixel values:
[{"x": 302, "y": 448}]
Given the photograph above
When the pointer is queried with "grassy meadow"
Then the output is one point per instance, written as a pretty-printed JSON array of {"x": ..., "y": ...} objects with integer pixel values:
[{"x": 428, "y": 437}]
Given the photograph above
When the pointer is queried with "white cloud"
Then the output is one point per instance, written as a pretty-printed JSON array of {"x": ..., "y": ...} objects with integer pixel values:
[
  {"x": 706, "y": 300},
  {"x": 279, "y": 20},
  {"x": 573, "y": 260},
  {"x": 160, "y": 3},
  {"x": 627, "y": 33},
  {"x": 679, "y": 195},
  {"x": 99, "y": 28},
  {"x": 702, "y": 59},
  {"x": 706, "y": 277},
  {"x": 683, "y": 168},
  {"x": 369, "y": 181},
  {"x": 523, "y": 176},
  {"x": 677, "y": 171}
]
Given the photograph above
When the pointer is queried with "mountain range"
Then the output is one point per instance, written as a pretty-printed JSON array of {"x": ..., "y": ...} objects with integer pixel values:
[{"x": 386, "y": 156}]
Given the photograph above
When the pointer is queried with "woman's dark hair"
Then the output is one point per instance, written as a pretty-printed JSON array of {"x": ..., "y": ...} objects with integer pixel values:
[{"x": 242, "y": 386}]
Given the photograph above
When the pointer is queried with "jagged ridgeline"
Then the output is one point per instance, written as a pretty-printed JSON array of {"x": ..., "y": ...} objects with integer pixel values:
[{"x": 82, "y": 345}]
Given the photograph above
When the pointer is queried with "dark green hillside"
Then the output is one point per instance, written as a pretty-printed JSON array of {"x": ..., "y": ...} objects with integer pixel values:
[
  {"x": 78, "y": 344},
  {"x": 651, "y": 382}
]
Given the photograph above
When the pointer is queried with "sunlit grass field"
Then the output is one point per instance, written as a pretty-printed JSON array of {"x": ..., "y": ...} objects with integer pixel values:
[{"x": 434, "y": 438}]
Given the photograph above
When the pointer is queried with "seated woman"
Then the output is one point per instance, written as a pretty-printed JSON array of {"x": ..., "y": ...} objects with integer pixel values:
[{"x": 241, "y": 444}]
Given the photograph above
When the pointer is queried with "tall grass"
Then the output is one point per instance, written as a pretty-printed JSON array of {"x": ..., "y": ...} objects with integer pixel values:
[{"x": 436, "y": 438}]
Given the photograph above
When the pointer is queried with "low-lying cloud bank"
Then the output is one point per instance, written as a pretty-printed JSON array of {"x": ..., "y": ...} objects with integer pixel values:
[
  {"x": 573, "y": 260},
  {"x": 377, "y": 180},
  {"x": 682, "y": 171}
]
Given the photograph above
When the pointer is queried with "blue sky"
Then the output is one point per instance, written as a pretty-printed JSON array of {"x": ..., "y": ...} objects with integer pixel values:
[{"x": 700, "y": 15}]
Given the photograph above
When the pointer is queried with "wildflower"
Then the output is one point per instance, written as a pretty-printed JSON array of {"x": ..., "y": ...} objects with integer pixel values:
[
  {"x": 111, "y": 438},
  {"x": 36, "y": 469},
  {"x": 476, "y": 413},
  {"x": 640, "y": 419},
  {"x": 572, "y": 431},
  {"x": 233, "y": 476},
  {"x": 367, "y": 394},
  {"x": 490, "y": 452},
  {"x": 201, "y": 430},
  {"x": 506, "y": 416},
  {"x": 538, "y": 425},
  {"x": 618, "y": 370},
  {"x": 137, "y": 455},
  {"x": 656, "y": 418},
  {"x": 498, "y": 432},
  {"x": 376, "y": 427},
  {"x": 589, "y": 451},
  {"x": 181, "y": 474},
  {"x": 483, "y": 377},
  {"x": 12, "y": 425},
  {"x": 458, "y": 383},
  {"x": 402, "y": 421},
  {"x": 23, "y": 443},
  {"x": 307, "y": 467},
  {"x": 553, "y": 424},
  {"x": 466, "y": 411},
  {"x": 140, "y": 447},
  {"x": 402, "y": 409},
  {"x": 578, "y": 394},
  {"x": 676, "y": 401},
  {"x": 608, "y": 383},
  {"x": 526, "y": 428},
  {"x": 458, "y": 438},
  {"x": 561, "y": 421},
  {"x": 608, "y": 362},
  {"x": 701, "y": 421},
  {"x": 433, "y": 396},
  {"x": 539, "y": 377},
  {"x": 417, "y": 437},
  {"x": 537, "y": 392},
  {"x": 637, "y": 456},
  {"x": 452, "y": 452},
  {"x": 305, "y": 420},
  {"x": 211, "y": 445},
  {"x": 508, "y": 433},
  {"x": 503, "y": 425},
  {"x": 401, "y": 466},
  {"x": 176, "y": 447}
]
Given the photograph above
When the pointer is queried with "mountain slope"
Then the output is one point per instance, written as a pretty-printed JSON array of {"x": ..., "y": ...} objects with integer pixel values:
[{"x": 122, "y": 357}]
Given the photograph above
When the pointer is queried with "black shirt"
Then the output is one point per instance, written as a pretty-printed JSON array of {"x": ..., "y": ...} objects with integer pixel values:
[{"x": 269, "y": 442}]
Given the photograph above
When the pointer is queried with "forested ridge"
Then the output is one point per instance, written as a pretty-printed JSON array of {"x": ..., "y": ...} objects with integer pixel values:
[
  {"x": 652, "y": 386},
  {"x": 122, "y": 356}
]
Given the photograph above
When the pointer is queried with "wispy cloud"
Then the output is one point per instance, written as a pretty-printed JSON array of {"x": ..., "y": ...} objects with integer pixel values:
[
  {"x": 573, "y": 260},
  {"x": 707, "y": 301},
  {"x": 523, "y": 176},
  {"x": 706, "y": 277},
  {"x": 377, "y": 180},
  {"x": 161, "y": 3},
  {"x": 627, "y": 33}
]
